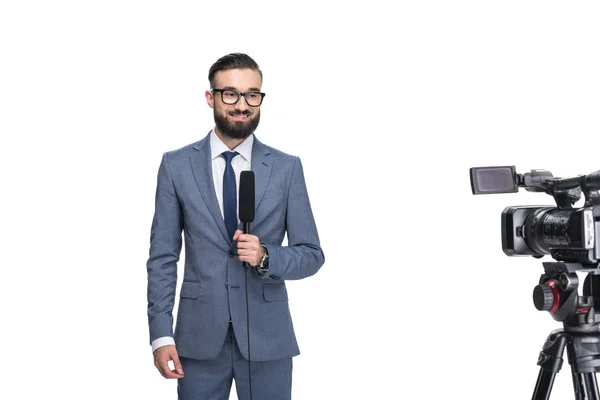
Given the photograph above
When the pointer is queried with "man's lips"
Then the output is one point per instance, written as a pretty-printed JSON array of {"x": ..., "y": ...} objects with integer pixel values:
[{"x": 239, "y": 117}]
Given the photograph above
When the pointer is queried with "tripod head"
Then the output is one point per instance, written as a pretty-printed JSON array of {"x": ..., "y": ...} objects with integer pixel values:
[{"x": 557, "y": 293}]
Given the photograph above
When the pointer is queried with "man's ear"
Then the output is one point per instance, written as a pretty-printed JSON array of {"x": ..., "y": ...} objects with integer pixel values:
[{"x": 210, "y": 98}]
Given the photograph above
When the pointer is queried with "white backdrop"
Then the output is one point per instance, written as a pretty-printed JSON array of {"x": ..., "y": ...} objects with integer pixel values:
[{"x": 388, "y": 107}]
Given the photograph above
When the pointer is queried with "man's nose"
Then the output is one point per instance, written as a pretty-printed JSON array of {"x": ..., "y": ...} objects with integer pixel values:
[{"x": 241, "y": 105}]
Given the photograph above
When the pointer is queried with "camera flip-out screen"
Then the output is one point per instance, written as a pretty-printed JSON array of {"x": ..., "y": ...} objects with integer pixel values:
[{"x": 488, "y": 180}]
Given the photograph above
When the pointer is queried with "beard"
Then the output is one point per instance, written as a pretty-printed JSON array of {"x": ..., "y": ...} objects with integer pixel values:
[{"x": 236, "y": 129}]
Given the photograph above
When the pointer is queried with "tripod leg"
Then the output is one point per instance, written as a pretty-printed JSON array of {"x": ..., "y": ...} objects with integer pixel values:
[
  {"x": 543, "y": 386},
  {"x": 590, "y": 386},
  {"x": 582, "y": 352},
  {"x": 578, "y": 385},
  {"x": 550, "y": 362},
  {"x": 585, "y": 386}
]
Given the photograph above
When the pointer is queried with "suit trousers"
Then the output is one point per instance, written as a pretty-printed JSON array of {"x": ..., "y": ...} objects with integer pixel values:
[{"x": 211, "y": 379}]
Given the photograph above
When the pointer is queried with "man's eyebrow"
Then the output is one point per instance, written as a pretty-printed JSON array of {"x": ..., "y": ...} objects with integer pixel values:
[{"x": 252, "y": 89}]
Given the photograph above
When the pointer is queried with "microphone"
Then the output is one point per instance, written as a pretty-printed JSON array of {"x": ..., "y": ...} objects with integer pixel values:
[
  {"x": 246, "y": 214},
  {"x": 246, "y": 206}
]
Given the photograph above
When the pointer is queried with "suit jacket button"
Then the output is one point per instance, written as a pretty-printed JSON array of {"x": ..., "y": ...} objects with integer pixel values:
[{"x": 231, "y": 255}]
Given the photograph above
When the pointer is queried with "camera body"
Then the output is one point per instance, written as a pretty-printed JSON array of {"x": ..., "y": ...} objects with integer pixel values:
[
  {"x": 571, "y": 235},
  {"x": 565, "y": 233}
]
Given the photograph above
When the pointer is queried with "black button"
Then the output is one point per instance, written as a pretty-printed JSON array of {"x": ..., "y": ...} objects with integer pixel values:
[{"x": 231, "y": 255}]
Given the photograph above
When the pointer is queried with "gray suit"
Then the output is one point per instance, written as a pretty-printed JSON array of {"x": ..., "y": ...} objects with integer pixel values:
[{"x": 213, "y": 289}]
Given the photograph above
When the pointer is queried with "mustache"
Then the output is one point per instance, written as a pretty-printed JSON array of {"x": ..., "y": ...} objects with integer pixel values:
[{"x": 246, "y": 112}]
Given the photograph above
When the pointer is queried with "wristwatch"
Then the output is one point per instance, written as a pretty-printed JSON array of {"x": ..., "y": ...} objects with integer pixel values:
[{"x": 263, "y": 266}]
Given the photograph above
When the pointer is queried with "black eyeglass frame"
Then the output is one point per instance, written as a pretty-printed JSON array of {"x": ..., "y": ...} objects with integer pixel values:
[{"x": 240, "y": 95}]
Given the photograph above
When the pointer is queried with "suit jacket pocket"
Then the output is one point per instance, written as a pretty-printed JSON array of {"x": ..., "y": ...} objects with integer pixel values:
[
  {"x": 190, "y": 290},
  {"x": 274, "y": 292},
  {"x": 274, "y": 192}
]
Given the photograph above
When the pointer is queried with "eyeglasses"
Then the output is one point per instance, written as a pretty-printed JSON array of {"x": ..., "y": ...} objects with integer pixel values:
[{"x": 253, "y": 99}]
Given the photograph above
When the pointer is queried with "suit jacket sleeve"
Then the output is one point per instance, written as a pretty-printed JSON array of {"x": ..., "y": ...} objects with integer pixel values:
[
  {"x": 303, "y": 256},
  {"x": 165, "y": 249}
]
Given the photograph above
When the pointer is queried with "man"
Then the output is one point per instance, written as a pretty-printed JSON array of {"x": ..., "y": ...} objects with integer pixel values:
[{"x": 197, "y": 194}]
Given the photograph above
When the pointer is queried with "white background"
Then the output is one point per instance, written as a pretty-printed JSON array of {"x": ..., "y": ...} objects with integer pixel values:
[{"x": 388, "y": 108}]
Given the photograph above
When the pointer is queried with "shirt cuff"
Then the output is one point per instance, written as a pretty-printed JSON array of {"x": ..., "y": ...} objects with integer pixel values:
[{"x": 162, "y": 341}]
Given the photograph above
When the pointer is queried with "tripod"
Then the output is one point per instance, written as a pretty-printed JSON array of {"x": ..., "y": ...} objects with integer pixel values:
[{"x": 557, "y": 293}]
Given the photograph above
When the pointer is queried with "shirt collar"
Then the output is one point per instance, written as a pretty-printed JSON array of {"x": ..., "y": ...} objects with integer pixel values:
[{"x": 217, "y": 147}]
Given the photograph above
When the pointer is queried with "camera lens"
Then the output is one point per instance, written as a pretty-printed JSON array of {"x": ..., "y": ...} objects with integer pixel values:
[{"x": 546, "y": 229}]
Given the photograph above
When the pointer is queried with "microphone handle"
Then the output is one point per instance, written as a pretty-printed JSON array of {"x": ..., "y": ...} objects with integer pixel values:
[{"x": 246, "y": 230}]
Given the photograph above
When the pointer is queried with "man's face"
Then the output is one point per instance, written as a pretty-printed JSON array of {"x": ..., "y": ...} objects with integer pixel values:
[{"x": 238, "y": 120}]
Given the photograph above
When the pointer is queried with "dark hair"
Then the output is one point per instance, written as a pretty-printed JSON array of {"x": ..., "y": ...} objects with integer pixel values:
[{"x": 232, "y": 61}]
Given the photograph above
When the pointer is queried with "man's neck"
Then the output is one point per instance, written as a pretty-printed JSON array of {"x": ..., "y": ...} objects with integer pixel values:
[{"x": 229, "y": 142}]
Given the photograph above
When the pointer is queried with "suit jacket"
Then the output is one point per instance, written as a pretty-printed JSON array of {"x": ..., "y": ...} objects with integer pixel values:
[{"x": 213, "y": 287}]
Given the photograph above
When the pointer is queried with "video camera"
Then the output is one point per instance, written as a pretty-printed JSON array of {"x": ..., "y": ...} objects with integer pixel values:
[
  {"x": 567, "y": 234},
  {"x": 572, "y": 237}
]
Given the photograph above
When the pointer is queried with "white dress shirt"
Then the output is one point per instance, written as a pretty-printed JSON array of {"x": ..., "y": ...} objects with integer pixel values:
[{"x": 241, "y": 162}]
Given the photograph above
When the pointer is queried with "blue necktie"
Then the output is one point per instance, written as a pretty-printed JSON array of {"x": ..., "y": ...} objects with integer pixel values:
[{"x": 229, "y": 194}]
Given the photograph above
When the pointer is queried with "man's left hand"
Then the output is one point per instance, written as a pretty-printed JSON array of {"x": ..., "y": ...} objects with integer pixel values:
[{"x": 249, "y": 248}]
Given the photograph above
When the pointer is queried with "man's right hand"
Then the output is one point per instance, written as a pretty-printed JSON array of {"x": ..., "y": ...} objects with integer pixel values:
[{"x": 162, "y": 356}]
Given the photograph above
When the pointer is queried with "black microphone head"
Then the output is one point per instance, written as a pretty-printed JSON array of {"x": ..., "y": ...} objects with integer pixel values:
[{"x": 246, "y": 210}]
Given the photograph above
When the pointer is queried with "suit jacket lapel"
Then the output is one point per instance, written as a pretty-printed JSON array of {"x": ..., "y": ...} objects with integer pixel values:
[
  {"x": 201, "y": 164},
  {"x": 262, "y": 166}
]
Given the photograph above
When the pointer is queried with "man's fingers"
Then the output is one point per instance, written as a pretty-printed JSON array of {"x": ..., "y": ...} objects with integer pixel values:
[
  {"x": 177, "y": 365},
  {"x": 162, "y": 356},
  {"x": 249, "y": 260},
  {"x": 166, "y": 371},
  {"x": 162, "y": 368},
  {"x": 245, "y": 238},
  {"x": 172, "y": 356},
  {"x": 171, "y": 374},
  {"x": 247, "y": 255},
  {"x": 248, "y": 245}
]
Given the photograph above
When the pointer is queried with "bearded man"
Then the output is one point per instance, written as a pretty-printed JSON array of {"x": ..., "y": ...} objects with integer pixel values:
[{"x": 231, "y": 323}]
